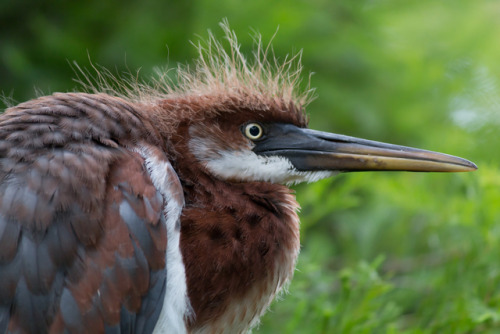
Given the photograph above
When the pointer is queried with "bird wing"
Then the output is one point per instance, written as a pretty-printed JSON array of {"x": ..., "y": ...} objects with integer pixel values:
[{"x": 83, "y": 228}]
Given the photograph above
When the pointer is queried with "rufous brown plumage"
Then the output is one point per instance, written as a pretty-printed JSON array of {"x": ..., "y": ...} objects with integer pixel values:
[{"x": 166, "y": 209}]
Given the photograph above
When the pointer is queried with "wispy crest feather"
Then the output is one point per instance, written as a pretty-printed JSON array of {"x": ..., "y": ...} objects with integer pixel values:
[{"x": 218, "y": 74}]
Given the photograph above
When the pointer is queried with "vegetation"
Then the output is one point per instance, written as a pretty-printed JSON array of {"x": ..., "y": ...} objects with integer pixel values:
[{"x": 382, "y": 252}]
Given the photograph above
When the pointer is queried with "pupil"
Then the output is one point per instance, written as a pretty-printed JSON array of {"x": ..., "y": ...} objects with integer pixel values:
[{"x": 254, "y": 131}]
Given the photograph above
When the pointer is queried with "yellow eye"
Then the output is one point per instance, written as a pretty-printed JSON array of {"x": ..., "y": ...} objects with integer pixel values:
[{"x": 253, "y": 131}]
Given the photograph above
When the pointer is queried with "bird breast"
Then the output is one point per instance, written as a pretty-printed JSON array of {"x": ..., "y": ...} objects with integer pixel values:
[{"x": 239, "y": 250}]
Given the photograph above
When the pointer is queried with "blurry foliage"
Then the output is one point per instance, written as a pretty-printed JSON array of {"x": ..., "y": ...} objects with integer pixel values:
[{"x": 382, "y": 252}]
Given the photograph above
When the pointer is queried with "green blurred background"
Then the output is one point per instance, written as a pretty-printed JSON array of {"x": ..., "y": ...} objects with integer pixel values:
[{"x": 382, "y": 252}]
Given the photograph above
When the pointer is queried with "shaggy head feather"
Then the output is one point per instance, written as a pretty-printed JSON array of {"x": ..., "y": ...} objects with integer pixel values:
[{"x": 221, "y": 80}]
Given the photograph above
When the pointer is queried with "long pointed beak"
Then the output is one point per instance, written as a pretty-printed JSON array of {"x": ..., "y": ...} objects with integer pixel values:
[{"x": 310, "y": 150}]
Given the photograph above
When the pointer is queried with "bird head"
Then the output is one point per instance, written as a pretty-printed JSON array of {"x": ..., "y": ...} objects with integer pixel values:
[{"x": 244, "y": 120}]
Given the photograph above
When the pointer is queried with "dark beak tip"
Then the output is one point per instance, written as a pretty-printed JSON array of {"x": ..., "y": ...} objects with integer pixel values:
[
  {"x": 472, "y": 166},
  {"x": 465, "y": 165}
]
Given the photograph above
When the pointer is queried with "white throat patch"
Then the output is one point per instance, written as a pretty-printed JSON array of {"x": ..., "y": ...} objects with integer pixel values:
[{"x": 245, "y": 165}]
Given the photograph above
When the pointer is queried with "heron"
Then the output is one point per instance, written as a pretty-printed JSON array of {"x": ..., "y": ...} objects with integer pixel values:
[{"x": 166, "y": 208}]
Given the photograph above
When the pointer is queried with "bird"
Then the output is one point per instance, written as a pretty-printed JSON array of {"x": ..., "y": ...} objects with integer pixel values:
[{"x": 166, "y": 207}]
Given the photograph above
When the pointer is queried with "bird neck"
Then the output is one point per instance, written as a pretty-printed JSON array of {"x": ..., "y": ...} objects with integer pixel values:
[{"x": 243, "y": 236}]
